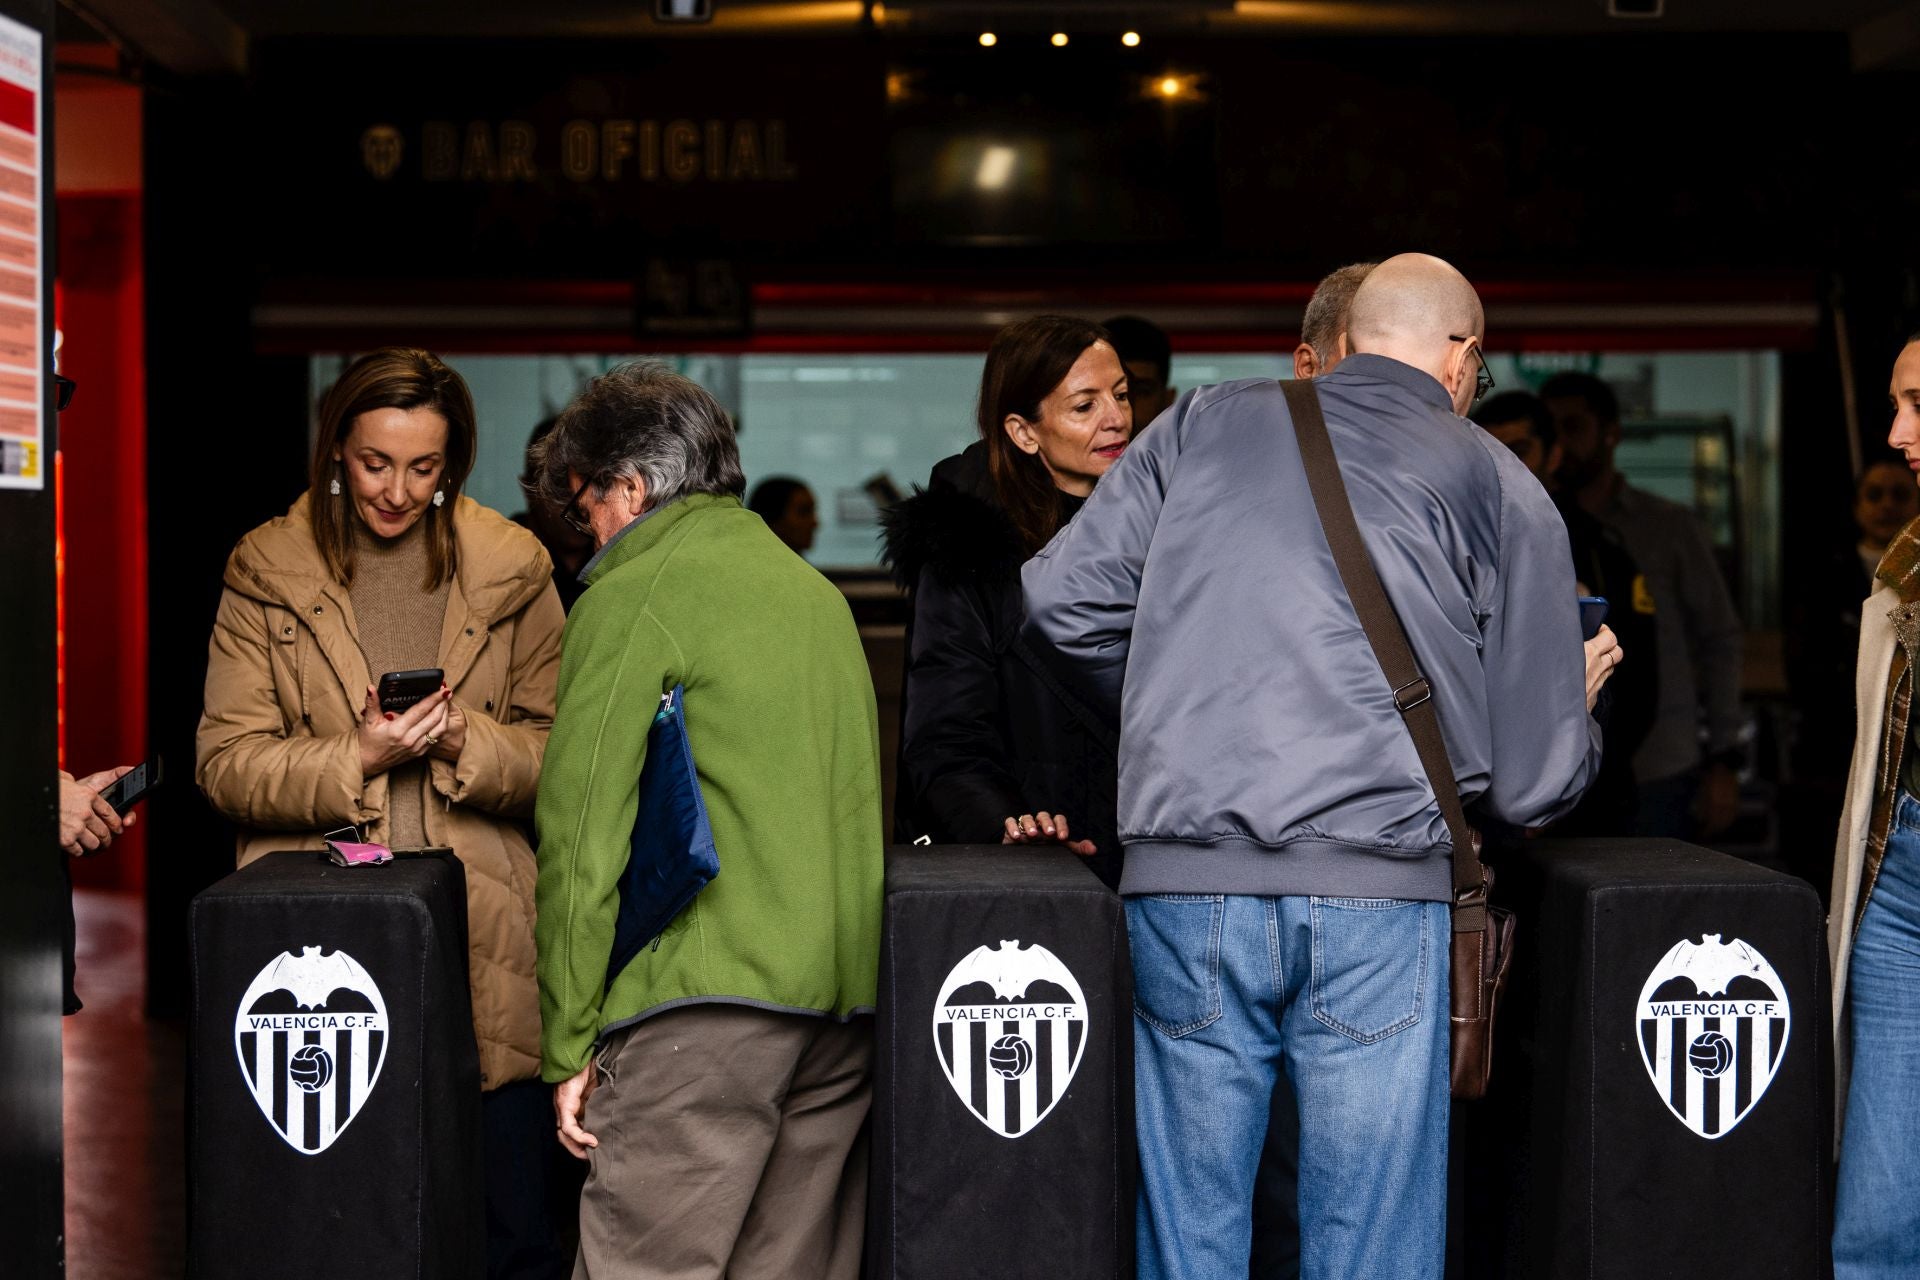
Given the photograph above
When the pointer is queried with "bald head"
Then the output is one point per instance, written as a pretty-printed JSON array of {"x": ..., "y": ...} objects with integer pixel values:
[{"x": 1410, "y": 308}]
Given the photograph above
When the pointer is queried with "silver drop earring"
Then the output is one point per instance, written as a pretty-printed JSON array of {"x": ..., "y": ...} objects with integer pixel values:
[
  {"x": 333, "y": 486},
  {"x": 439, "y": 497}
]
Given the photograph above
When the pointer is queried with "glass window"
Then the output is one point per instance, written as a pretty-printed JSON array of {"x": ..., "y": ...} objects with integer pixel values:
[
  {"x": 846, "y": 425},
  {"x": 1701, "y": 428}
]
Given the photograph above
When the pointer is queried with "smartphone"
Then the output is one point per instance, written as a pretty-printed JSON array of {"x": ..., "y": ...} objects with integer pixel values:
[
  {"x": 133, "y": 787},
  {"x": 401, "y": 689},
  {"x": 1593, "y": 612}
]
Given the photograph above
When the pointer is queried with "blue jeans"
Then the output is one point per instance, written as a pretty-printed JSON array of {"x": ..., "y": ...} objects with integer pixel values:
[
  {"x": 1348, "y": 996},
  {"x": 1876, "y": 1220}
]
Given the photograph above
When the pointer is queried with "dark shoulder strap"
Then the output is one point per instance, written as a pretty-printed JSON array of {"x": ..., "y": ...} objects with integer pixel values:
[
  {"x": 1411, "y": 692},
  {"x": 1102, "y": 732}
]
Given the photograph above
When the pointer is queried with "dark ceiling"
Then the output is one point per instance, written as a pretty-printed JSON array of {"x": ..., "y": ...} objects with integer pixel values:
[{"x": 191, "y": 36}]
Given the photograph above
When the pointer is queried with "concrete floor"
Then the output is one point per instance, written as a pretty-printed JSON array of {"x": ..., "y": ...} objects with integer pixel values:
[{"x": 125, "y": 1107}]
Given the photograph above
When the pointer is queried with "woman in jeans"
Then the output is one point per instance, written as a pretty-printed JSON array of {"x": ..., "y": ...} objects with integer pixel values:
[{"x": 1874, "y": 924}]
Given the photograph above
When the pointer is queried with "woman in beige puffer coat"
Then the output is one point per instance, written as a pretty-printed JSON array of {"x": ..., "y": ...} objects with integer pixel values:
[{"x": 382, "y": 566}]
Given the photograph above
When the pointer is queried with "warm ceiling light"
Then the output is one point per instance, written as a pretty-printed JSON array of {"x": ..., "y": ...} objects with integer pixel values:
[
  {"x": 1169, "y": 86},
  {"x": 988, "y": 39},
  {"x": 1059, "y": 39},
  {"x": 1131, "y": 39},
  {"x": 996, "y": 168}
]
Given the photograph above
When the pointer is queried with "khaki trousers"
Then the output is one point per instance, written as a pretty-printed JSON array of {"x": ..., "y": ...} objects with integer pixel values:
[{"x": 731, "y": 1147}]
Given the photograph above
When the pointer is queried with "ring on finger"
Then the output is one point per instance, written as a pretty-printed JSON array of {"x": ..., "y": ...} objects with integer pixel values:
[{"x": 432, "y": 741}]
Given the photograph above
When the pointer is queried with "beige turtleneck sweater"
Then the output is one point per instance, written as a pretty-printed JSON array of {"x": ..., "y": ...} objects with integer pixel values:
[{"x": 399, "y": 621}]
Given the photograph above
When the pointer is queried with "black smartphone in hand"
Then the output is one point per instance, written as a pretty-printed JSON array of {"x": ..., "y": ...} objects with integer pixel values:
[
  {"x": 401, "y": 689},
  {"x": 133, "y": 787},
  {"x": 1593, "y": 612}
]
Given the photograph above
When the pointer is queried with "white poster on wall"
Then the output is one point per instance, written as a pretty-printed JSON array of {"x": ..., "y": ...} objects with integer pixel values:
[{"x": 23, "y": 363}]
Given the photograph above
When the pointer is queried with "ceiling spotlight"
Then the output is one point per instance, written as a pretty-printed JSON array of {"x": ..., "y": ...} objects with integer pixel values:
[
  {"x": 1168, "y": 86},
  {"x": 988, "y": 39},
  {"x": 1059, "y": 39},
  {"x": 1131, "y": 39}
]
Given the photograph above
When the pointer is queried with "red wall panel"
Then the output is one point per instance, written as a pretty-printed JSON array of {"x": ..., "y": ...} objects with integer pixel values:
[{"x": 103, "y": 471}]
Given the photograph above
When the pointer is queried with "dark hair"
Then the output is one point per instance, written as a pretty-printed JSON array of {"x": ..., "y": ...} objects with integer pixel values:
[
  {"x": 390, "y": 378},
  {"x": 1511, "y": 406},
  {"x": 1599, "y": 397},
  {"x": 772, "y": 496},
  {"x": 1877, "y": 458},
  {"x": 1141, "y": 341},
  {"x": 529, "y": 473},
  {"x": 641, "y": 419},
  {"x": 1327, "y": 310},
  {"x": 1027, "y": 360}
]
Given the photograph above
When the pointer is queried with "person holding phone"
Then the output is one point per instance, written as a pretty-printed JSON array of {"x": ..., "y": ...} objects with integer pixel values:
[
  {"x": 89, "y": 822},
  {"x": 383, "y": 568}
]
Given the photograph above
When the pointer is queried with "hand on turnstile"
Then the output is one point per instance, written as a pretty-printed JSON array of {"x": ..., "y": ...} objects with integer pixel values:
[{"x": 1044, "y": 828}]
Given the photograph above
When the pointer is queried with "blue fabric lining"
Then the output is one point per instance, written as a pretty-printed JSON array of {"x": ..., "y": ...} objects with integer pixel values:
[{"x": 672, "y": 856}]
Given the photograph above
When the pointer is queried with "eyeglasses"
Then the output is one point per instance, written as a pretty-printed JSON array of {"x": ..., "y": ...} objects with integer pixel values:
[
  {"x": 62, "y": 392},
  {"x": 572, "y": 516},
  {"x": 1483, "y": 381}
]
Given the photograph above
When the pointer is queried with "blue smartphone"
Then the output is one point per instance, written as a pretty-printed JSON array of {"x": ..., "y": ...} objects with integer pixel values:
[{"x": 1593, "y": 612}]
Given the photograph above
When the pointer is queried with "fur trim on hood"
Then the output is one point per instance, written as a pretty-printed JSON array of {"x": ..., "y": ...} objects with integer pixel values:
[{"x": 962, "y": 535}]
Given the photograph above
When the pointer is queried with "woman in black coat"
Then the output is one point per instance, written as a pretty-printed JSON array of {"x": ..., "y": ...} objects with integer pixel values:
[{"x": 993, "y": 746}]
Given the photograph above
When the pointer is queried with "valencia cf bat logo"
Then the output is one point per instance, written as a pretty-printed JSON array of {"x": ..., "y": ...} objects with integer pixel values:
[
  {"x": 1713, "y": 1023},
  {"x": 1010, "y": 1028},
  {"x": 311, "y": 1034}
]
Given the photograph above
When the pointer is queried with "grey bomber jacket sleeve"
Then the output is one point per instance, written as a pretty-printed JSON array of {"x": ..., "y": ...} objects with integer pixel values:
[
  {"x": 1082, "y": 589},
  {"x": 1534, "y": 661},
  {"x": 1194, "y": 600}
]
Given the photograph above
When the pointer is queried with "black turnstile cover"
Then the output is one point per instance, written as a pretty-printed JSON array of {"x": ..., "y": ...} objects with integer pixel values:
[
  {"x": 335, "y": 1084},
  {"x": 1003, "y": 1104},
  {"x": 1666, "y": 1086}
]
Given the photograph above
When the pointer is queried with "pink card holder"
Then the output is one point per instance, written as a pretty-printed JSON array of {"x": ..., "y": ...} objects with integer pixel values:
[{"x": 354, "y": 852}]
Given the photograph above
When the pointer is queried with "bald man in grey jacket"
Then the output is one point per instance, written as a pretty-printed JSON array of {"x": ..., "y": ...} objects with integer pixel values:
[{"x": 1288, "y": 868}]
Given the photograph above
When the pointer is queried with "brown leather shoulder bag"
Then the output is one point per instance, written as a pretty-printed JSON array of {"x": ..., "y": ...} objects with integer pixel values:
[{"x": 1482, "y": 933}]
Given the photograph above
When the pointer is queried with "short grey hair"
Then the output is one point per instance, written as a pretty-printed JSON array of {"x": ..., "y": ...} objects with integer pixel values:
[
  {"x": 1330, "y": 307},
  {"x": 640, "y": 419}
]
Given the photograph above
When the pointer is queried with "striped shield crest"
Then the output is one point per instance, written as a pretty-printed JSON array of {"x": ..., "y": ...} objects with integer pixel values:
[
  {"x": 1010, "y": 1028},
  {"x": 1714, "y": 1019},
  {"x": 311, "y": 1034}
]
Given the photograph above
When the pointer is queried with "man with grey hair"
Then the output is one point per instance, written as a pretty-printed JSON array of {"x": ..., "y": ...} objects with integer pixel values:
[
  {"x": 717, "y": 1082},
  {"x": 1323, "y": 329},
  {"x": 1288, "y": 868}
]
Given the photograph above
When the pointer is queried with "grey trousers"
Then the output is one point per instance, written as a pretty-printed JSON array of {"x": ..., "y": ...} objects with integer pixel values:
[{"x": 732, "y": 1145}]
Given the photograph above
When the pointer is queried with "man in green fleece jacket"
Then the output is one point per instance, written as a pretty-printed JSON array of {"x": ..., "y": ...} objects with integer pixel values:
[{"x": 718, "y": 1086}]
